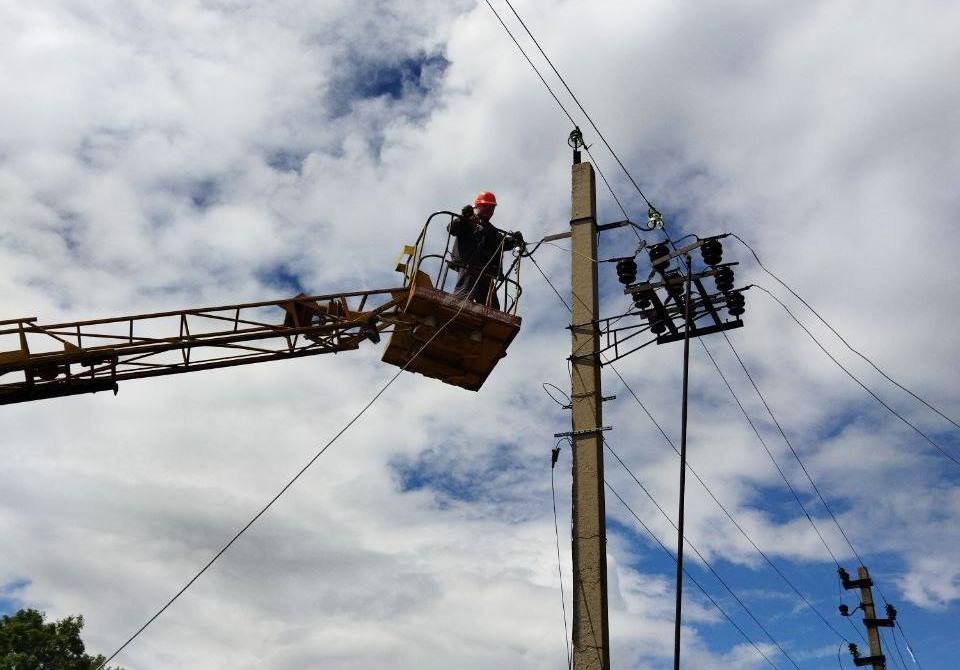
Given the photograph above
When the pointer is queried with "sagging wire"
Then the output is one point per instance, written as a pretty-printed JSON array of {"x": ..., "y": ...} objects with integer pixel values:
[
  {"x": 857, "y": 379},
  {"x": 497, "y": 253},
  {"x": 554, "y": 456},
  {"x": 841, "y": 337},
  {"x": 707, "y": 563},
  {"x": 557, "y": 100},
  {"x": 773, "y": 459},
  {"x": 691, "y": 577},
  {"x": 742, "y": 531}
]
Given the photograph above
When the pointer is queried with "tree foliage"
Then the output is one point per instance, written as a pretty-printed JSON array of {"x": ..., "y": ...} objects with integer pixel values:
[{"x": 27, "y": 642}]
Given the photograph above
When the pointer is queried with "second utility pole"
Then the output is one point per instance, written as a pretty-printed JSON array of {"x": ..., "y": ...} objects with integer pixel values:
[{"x": 591, "y": 635}]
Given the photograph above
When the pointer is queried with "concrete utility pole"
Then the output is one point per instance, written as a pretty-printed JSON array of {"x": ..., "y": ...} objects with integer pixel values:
[
  {"x": 870, "y": 615},
  {"x": 864, "y": 583},
  {"x": 591, "y": 636}
]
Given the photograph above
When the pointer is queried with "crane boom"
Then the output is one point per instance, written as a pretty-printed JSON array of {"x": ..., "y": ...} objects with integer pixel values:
[
  {"x": 70, "y": 358},
  {"x": 455, "y": 337}
]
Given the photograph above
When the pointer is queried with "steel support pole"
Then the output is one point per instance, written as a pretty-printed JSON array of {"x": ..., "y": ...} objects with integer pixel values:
[
  {"x": 683, "y": 466},
  {"x": 591, "y": 637}
]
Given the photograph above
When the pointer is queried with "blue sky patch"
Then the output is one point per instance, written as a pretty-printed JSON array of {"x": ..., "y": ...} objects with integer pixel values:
[
  {"x": 9, "y": 592},
  {"x": 394, "y": 79},
  {"x": 282, "y": 277}
]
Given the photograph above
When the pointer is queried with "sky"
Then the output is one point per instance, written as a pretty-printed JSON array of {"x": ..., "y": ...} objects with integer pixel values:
[{"x": 187, "y": 153}]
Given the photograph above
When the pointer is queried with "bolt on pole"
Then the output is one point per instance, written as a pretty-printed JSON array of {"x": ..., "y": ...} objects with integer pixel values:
[{"x": 591, "y": 636}]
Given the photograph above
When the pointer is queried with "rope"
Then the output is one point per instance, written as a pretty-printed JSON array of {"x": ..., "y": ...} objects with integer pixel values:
[
  {"x": 556, "y": 531},
  {"x": 302, "y": 470}
]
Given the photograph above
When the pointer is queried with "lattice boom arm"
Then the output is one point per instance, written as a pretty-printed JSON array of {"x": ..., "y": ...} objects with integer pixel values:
[{"x": 47, "y": 361}]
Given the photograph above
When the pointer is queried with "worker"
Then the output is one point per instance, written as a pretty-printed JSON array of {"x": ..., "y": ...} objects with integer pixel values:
[{"x": 478, "y": 250}]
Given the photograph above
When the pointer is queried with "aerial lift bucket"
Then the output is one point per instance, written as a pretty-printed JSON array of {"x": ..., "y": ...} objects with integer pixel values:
[{"x": 447, "y": 336}]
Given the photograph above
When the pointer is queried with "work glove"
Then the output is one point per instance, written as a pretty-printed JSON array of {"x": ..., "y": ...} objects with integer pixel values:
[
  {"x": 518, "y": 238},
  {"x": 466, "y": 212}
]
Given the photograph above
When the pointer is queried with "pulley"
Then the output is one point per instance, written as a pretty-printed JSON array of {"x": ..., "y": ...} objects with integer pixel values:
[
  {"x": 723, "y": 277},
  {"x": 712, "y": 251},
  {"x": 627, "y": 271}
]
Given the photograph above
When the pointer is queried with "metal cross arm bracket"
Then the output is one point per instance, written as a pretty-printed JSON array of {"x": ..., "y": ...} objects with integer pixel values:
[
  {"x": 585, "y": 431},
  {"x": 675, "y": 281},
  {"x": 849, "y": 584},
  {"x": 605, "y": 398}
]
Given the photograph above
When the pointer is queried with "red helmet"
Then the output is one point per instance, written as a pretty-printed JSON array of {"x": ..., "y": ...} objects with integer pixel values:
[{"x": 485, "y": 198}]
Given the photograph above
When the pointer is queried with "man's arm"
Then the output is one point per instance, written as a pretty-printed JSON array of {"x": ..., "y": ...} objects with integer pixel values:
[{"x": 459, "y": 224}]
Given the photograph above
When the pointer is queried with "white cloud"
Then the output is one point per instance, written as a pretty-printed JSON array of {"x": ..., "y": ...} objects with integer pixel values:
[{"x": 180, "y": 154}]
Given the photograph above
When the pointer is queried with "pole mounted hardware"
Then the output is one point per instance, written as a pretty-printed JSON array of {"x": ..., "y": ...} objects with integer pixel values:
[
  {"x": 606, "y": 398},
  {"x": 585, "y": 431},
  {"x": 878, "y": 661},
  {"x": 575, "y": 142},
  {"x": 850, "y": 584}
]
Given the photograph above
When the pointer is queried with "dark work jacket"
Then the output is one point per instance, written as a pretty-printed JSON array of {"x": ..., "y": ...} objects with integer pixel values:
[{"x": 475, "y": 243}]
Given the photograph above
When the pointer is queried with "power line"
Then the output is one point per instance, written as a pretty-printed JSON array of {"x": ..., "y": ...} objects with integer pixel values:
[
  {"x": 556, "y": 532},
  {"x": 559, "y": 104},
  {"x": 690, "y": 577},
  {"x": 729, "y": 516},
  {"x": 736, "y": 524},
  {"x": 841, "y": 337},
  {"x": 874, "y": 396},
  {"x": 857, "y": 379},
  {"x": 700, "y": 555},
  {"x": 773, "y": 459},
  {"x": 792, "y": 450},
  {"x": 577, "y": 101},
  {"x": 302, "y": 470}
]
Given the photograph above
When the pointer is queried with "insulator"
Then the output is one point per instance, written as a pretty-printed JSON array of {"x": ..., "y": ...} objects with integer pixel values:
[
  {"x": 660, "y": 251},
  {"x": 712, "y": 251},
  {"x": 641, "y": 299},
  {"x": 891, "y": 612},
  {"x": 844, "y": 610},
  {"x": 735, "y": 303},
  {"x": 657, "y": 327},
  {"x": 724, "y": 278},
  {"x": 627, "y": 271}
]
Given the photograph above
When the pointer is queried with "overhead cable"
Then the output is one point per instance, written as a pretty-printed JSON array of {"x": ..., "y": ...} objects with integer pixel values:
[
  {"x": 584, "y": 111},
  {"x": 783, "y": 434},
  {"x": 730, "y": 516},
  {"x": 857, "y": 379},
  {"x": 556, "y": 532},
  {"x": 690, "y": 577},
  {"x": 773, "y": 459},
  {"x": 720, "y": 579},
  {"x": 562, "y": 108},
  {"x": 841, "y": 337}
]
